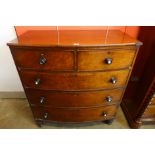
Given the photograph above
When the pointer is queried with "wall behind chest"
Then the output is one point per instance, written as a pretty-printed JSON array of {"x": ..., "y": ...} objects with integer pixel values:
[
  {"x": 131, "y": 30},
  {"x": 9, "y": 80}
]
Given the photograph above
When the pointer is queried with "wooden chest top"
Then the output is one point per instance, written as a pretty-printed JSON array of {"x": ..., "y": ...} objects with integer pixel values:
[{"x": 73, "y": 38}]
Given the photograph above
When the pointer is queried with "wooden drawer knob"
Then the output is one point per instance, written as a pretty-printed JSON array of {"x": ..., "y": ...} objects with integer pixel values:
[
  {"x": 108, "y": 61},
  {"x": 113, "y": 80},
  {"x": 42, "y": 61},
  {"x": 104, "y": 114},
  {"x": 42, "y": 99},
  {"x": 109, "y": 98},
  {"x": 37, "y": 81}
]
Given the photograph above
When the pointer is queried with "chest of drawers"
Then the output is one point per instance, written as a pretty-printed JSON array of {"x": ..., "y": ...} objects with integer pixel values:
[{"x": 74, "y": 76}]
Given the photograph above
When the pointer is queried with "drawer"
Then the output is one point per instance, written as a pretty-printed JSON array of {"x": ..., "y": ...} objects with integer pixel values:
[
  {"x": 73, "y": 99},
  {"x": 44, "y": 60},
  {"x": 103, "y": 60},
  {"x": 150, "y": 111},
  {"x": 74, "y": 115},
  {"x": 74, "y": 81}
]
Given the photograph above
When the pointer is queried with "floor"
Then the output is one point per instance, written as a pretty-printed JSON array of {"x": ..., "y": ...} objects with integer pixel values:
[{"x": 16, "y": 114}]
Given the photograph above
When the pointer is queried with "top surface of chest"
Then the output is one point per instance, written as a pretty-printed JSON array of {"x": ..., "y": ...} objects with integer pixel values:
[{"x": 73, "y": 38}]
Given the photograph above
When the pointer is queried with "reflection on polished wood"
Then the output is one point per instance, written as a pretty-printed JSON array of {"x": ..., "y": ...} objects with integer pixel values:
[{"x": 73, "y": 38}]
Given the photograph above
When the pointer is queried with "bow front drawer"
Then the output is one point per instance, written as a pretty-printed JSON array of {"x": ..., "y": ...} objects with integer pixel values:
[
  {"x": 80, "y": 115},
  {"x": 105, "y": 59},
  {"x": 74, "y": 81},
  {"x": 73, "y": 99},
  {"x": 51, "y": 60}
]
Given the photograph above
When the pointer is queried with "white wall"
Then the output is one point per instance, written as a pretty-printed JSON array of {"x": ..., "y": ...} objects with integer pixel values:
[{"x": 9, "y": 79}]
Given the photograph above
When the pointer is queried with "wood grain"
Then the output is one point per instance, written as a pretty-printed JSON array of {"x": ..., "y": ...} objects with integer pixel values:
[
  {"x": 75, "y": 115},
  {"x": 74, "y": 81},
  {"x": 95, "y": 60},
  {"x": 55, "y": 59},
  {"x": 73, "y": 99}
]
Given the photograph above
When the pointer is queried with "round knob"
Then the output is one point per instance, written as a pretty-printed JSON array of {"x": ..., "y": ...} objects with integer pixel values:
[
  {"x": 109, "y": 99},
  {"x": 108, "y": 61},
  {"x": 104, "y": 114},
  {"x": 42, "y": 99},
  {"x": 42, "y": 60},
  {"x": 113, "y": 80},
  {"x": 37, "y": 81},
  {"x": 45, "y": 115}
]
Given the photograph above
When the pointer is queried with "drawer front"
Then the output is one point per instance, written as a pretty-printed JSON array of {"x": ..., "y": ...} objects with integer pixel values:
[
  {"x": 150, "y": 111},
  {"x": 73, "y": 99},
  {"x": 74, "y": 115},
  {"x": 44, "y": 60},
  {"x": 102, "y": 60},
  {"x": 74, "y": 81}
]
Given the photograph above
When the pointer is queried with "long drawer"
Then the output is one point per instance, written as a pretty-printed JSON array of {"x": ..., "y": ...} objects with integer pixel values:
[
  {"x": 73, "y": 99},
  {"x": 51, "y": 60},
  {"x": 74, "y": 115},
  {"x": 105, "y": 59},
  {"x": 74, "y": 81}
]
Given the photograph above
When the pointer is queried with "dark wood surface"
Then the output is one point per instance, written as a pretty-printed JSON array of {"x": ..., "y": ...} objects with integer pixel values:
[
  {"x": 146, "y": 35},
  {"x": 75, "y": 80},
  {"x": 137, "y": 105}
]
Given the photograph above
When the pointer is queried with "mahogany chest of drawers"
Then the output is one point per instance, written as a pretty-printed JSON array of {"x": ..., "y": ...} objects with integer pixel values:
[{"x": 74, "y": 76}]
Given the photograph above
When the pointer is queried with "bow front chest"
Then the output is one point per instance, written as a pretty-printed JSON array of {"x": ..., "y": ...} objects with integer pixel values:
[{"x": 74, "y": 76}]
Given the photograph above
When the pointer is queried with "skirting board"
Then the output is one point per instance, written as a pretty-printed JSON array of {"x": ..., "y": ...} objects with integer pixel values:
[{"x": 19, "y": 94}]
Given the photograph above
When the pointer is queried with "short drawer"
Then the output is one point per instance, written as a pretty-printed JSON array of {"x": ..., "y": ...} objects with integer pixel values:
[
  {"x": 44, "y": 60},
  {"x": 74, "y": 81},
  {"x": 74, "y": 115},
  {"x": 73, "y": 99},
  {"x": 150, "y": 111},
  {"x": 104, "y": 60}
]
